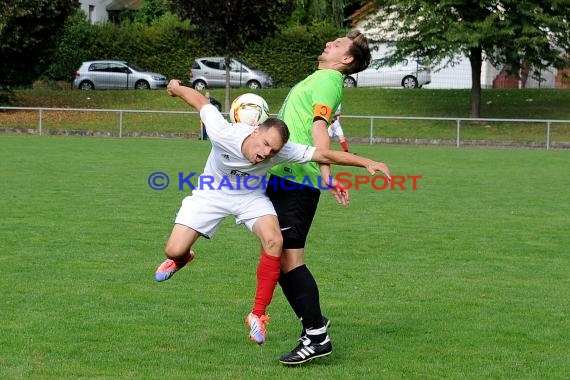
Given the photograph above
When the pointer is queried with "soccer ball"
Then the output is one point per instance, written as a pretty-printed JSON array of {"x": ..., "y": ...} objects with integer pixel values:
[{"x": 249, "y": 109}]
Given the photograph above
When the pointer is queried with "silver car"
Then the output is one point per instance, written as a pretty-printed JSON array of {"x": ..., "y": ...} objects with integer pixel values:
[
  {"x": 208, "y": 72},
  {"x": 408, "y": 73},
  {"x": 116, "y": 75}
]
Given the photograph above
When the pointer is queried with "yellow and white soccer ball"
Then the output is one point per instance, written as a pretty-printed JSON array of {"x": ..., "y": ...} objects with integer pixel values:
[{"x": 250, "y": 109}]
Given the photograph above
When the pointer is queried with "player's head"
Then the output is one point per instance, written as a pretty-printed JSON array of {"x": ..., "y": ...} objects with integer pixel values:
[
  {"x": 349, "y": 54},
  {"x": 360, "y": 51},
  {"x": 266, "y": 140}
]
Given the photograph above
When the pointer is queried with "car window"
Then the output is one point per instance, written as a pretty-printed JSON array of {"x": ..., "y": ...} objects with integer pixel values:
[
  {"x": 116, "y": 68},
  {"x": 236, "y": 66},
  {"x": 218, "y": 65},
  {"x": 242, "y": 64},
  {"x": 379, "y": 63},
  {"x": 196, "y": 66},
  {"x": 135, "y": 67},
  {"x": 98, "y": 66},
  {"x": 384, "y": 62}
]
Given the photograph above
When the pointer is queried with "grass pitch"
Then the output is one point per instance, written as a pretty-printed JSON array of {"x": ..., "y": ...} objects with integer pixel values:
[{"x": 465, "y": 277}]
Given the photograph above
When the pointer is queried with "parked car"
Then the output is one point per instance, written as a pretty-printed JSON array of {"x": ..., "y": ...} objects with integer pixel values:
[
  {"x": 208, "y": 72},
  {"x": 408, "y": 73},
  {"x": 116, "y": 75}
]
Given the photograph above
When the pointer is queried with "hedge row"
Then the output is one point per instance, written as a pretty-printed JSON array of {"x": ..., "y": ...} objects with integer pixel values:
[{"x": 169, "y": 46}]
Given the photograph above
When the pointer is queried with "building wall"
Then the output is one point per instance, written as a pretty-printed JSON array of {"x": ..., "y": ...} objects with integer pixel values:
[{"x": 96, "y": 10}]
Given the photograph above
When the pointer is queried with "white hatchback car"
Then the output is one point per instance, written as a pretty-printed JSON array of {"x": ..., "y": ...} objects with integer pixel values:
[
  {"x": 116, "y": 75},
  {"x": 408, "y": 73}
]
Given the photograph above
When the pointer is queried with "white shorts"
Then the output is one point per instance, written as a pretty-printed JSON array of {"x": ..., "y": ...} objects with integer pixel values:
[
  {"x": 335, "y": 130},
  {"x": 204, "y": 210}
]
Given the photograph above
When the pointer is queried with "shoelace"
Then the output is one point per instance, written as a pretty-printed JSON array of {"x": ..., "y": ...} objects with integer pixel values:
[{"x": 304, "y": 340}]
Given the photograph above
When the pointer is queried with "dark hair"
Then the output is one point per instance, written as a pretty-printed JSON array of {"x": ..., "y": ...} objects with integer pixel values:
[
  {"x": 359, "y": 51},
  {"x": 278, "y": 124}
]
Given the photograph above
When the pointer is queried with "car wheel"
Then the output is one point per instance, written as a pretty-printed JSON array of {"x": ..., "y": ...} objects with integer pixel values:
[
  {"x": 199, "y": 85},
  {"x": 253, "y": 84},
  {"x": 142, "y": 85},
  {"x": 409, "y": 82},
  {"x": 349, "y": 82},
  {"x": 86, "y": 85}
]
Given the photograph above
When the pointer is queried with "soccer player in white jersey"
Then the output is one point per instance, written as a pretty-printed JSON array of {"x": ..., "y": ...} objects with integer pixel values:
[
  {"x": 335, "y": 130},
  {"x": 231, "y": 184}
]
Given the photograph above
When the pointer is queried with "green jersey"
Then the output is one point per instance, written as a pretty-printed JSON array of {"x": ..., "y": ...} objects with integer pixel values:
[{"x": 317, "y": 96}]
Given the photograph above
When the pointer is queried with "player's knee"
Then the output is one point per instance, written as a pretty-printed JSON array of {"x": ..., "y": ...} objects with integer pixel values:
[{"x": 273, "y": 243}]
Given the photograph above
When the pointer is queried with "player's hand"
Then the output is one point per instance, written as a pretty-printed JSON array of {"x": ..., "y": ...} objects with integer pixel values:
[
  {"x": 374, "y": 166},
  {"x": 173, "y": 87},
  {"x": 341, "y": 195}
]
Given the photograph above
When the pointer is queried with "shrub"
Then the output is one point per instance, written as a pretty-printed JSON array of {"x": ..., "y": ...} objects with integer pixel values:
[{"x": 292, "y": 54}]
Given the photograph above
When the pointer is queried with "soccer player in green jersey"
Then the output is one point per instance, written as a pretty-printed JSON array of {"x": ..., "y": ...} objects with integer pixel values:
[{"x": 308, "y": 111}]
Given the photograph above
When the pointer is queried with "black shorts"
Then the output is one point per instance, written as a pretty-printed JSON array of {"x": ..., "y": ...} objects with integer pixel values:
[{"x": 296, "y": 206}]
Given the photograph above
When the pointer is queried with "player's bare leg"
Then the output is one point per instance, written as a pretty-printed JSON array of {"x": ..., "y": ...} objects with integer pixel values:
[{"x": 178, "y": 250}]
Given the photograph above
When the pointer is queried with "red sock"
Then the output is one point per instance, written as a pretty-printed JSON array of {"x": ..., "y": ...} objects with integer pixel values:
[
  {"x": 344, "y": 145},
  {"x": 267, "y": 277}
]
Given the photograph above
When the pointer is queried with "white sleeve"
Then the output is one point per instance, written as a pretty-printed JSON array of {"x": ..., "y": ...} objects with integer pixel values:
[
  {"x": 295, "y": 153},
  {"x": 213, "y": 120}
]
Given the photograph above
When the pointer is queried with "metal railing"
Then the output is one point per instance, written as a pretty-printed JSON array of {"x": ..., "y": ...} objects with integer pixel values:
[
  {"x": 458, "y": 120},
  {"x": 372, "y": 139}
]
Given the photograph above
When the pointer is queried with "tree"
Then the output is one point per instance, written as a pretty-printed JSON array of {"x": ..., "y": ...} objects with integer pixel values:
[
  {"x": 152, "y": 10},
  {"x": 74, "y": 46},
  {"x": 231, "y": 24},
  {"x": 28, "y": 30},
  {"x": 331, "y": 11},
  {"x": 511, "y": 33}
]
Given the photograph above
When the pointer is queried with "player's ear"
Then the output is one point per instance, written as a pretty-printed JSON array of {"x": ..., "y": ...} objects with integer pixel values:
[{"x": 347, "y": 59}]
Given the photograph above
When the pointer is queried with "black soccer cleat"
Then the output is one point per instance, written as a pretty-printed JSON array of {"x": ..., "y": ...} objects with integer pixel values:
[{"x": 307, "y": 351}]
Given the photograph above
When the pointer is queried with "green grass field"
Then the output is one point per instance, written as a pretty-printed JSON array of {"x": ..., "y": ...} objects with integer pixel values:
[{"x": 464, "y": 278}]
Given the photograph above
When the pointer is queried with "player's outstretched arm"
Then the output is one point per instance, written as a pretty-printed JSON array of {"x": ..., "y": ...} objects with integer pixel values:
[
  {"x": 324, "y": 156},
  {"x": 189, "y": 95}
]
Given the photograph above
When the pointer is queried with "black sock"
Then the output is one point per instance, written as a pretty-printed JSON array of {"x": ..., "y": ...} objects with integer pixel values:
[
  {"x": 288, "y": 291},
  {"x": 302, "y": 284}
]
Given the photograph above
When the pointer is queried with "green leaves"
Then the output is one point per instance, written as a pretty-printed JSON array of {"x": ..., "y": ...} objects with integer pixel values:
[
  {"x": 508, "y": 33},
  {"x": 28, "y": 30}
]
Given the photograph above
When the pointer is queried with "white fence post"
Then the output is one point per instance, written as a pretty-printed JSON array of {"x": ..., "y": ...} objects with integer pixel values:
[
  {"x": 40, "y": 122},
  {"x": 548, "y": 134},
  {"x": 371, "y": 130},
  {"x": 458, "y": 141},
  {"x": 120, "y": 123}
]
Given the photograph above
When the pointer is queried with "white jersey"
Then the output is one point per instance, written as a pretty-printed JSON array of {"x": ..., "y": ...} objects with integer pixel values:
[{"x": 227, "y": 170}]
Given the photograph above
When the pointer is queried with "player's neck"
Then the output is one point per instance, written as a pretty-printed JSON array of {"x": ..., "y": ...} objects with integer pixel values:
[{"x": 325, "y": 65}]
